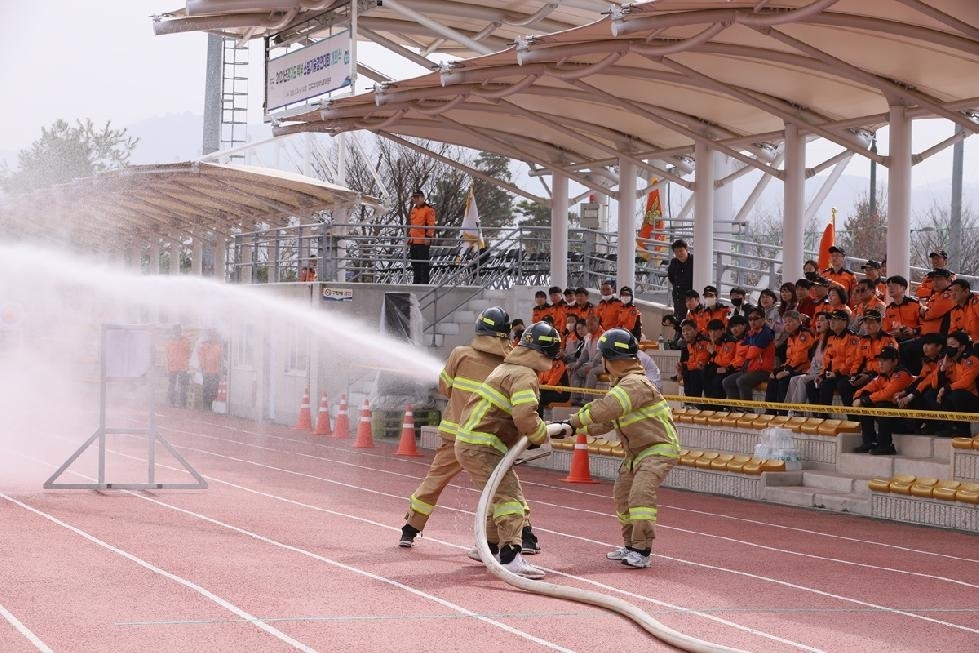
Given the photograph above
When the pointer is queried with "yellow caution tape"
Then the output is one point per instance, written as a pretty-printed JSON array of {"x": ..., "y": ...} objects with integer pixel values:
[{"x": 808, "y": 408}]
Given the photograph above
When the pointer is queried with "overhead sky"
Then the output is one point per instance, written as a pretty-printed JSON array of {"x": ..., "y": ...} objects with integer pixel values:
[{"x": 72, "y": 59}]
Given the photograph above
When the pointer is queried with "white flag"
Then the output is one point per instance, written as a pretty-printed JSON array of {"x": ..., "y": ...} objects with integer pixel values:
[{"x": 471, "y": 233}]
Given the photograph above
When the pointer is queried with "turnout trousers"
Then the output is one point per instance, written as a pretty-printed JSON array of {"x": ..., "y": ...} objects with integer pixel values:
[{"x": 635, "y": 498}]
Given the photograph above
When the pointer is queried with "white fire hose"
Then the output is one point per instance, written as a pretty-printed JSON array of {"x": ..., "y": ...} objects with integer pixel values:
[{"x": 650, "y": 625}]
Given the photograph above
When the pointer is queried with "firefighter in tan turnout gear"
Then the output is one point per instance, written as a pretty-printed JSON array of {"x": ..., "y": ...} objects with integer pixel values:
[
  {"x": 501, "y": 410},
  {"x": 466, "y": 368},
  {"x": 637, "y": 411}
]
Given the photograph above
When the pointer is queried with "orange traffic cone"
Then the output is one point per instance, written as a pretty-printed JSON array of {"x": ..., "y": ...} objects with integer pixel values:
[
  {"x": 343, "y": 422},
  {"x": 365, "y": 437},
  {"x": 323, "y": 417},
  {"x": 579, "y": 472},
  {"x": 305, "y": 422},
  {"x": 406, "y": 447}
]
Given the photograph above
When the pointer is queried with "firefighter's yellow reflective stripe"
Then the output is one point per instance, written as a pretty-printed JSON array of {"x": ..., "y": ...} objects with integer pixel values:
[
  {"x": 663, "y": 450},
  {"x": 622, "y": 397},
  {"x": 449, "y": 428},
  {"x": 521, "y": 397},
  {"x": 467, "y": 385},
  {"x": 420, "y": 506},
  {"x": 446, "y": 379},
  {"x": 507, "y": 508},
  {"x": 539, "y": 434},
  {"x": 642, "y": 513},
  {"x": 483, "y": 439},
  {"x": 494, "y": 397},
  {"x": 623, "y": 517},
  {"x": 659, "y": 411},
  {"x": 584, "y": 415}
]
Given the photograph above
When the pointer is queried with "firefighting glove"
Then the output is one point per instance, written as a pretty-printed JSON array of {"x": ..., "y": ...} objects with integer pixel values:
[{"x": 559, "y": 430}]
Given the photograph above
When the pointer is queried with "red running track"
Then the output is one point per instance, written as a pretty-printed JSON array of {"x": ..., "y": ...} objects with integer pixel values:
[{"x": 293, "y": 547}]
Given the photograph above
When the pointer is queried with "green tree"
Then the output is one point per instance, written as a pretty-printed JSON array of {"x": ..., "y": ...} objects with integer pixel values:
[
  {"x": 534, "y": 214},
  {"x": 65, "y": 152},
  {"x": 934, "y": 233},
  {"x": 495, "y": 204}
]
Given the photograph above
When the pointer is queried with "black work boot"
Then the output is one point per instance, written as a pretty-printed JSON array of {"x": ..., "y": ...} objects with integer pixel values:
[
  {"x": 408, "y": 534},
  {"x": 529, "y": 543}
]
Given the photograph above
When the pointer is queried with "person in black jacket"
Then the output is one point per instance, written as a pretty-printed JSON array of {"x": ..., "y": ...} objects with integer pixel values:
[{"x": 680, "y": 274}]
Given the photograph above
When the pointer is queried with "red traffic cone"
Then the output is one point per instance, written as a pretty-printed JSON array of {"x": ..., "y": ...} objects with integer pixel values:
[
  {"x": 305, "y": 422},
  {"x": 343, "y": 422},
  {"x": 579, "y": 472},
  {"x": 406, "y": 447},
  {"x": 323, "y": 417},
  {"x": 365, "y": 437}
]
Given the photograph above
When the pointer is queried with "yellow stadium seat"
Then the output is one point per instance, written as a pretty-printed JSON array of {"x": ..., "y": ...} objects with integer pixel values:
[
  {"x": 760, "y": 421},
  {"x": 810, "y": 426},
  {"x": 906, "y": 479},
  {"x": 879, "y": 485},
  {"x": 900, "y": 488},
  {"x": 773, "y": 466},
  {"x": 961, "y": 443},
  {"x": 975, "y": 442},
  {"x": 704, "y": 461},
  {"x": 967, "y": 496},
  {"x": 702, "y": 417},
  {"x": 752, "y": 467},
  {"x": 730, "y": 420},
  {"x": 945, "y": 490},
  {"x": 605, "y": 449},
  {"x": 829, "y": 427},
  {"x": 721, "y": 461},
  {"x": 923, "y": 487},
  {"x": 717, "y": 419},
  {"x": 795, "y": 423},
  {"x": 846, "y": 426},
  {"x": 618, "y": 450}
]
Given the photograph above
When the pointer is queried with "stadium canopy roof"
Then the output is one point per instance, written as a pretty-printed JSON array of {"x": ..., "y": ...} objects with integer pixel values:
[
  {"x": 138, "y": 203},
  {"x": 650, "y": 80},
  {"x": 457, "y": 27}
]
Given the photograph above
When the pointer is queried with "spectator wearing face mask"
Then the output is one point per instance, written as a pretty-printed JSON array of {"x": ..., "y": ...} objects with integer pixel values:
[
  {"x": 716, "y": 309},
  {"x": 609, "y": 306},
  {"x": 738, "y": 304},
  {"x": 629, "y": 317}
]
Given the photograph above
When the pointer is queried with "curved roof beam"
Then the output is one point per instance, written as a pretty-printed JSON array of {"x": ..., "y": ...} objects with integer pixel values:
[
  {"x": 936, "y": 14},
  {"x": 888, "y": 87}
]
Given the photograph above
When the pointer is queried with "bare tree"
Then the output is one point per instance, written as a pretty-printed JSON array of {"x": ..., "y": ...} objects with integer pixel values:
[
  {"x": 862, "y": 234},
  {"x": 933, "y": 233}
]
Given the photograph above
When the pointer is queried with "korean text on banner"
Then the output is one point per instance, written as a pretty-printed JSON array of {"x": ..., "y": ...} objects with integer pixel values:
[{"x": 311, "y": 71}]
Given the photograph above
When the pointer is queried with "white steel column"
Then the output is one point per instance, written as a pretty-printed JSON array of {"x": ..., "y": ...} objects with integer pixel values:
[
  {"x": 625, "y": 260},
  {"x": 794, "y": 189},
  {"x": 220, "y": 256},
  {"x": 154, "y": 266},
  {"x": 559, "y": 231},
  {"x": 723, "y": 215},
  {"x": 175, "y": 249},
  {"x": 197, "y": 256},
  {"x": 703, "y": 217},
  {"x": 899, "y": 194}
]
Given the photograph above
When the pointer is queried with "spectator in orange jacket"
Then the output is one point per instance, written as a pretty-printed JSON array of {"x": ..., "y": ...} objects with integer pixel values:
[
  {"x": 630, "y": 318},
  {"x": 609, "y": 306},
  {"x": 864, "y": 367},
  {"x": 541, "y": 307},
  {"x": 798, "y": 352},
  {"x": 939, "y": 259},
  {"x": 693, "y": 359},
  {"x": 838, "y": 357},
  {"x": 964, "y": 316},
  {"x": 882, "y": 392},
  {"x": 837, "y": 273},
  {"x": 421, "y": 233},
  {"x": 760, "y": 360},
  {"x": 178, "y": 361},
  {"x": 902, "y": 317},
  {"x": 210, "y": 357},
  {"x": 956, "y": 381},
  {"x": 556, "y": 376}
]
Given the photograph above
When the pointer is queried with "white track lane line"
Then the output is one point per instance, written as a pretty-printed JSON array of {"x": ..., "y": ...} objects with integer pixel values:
[
  {"x": 278, "y": 634},
  {"x": 608, "y": 588},
  {"x": 767, "y": 579},
  {"x": 812, "y": 556},
  {"x": 267, "y": 540},
  {"x": 24, "y": 630},
  {"x": 664, "y": 508}
]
